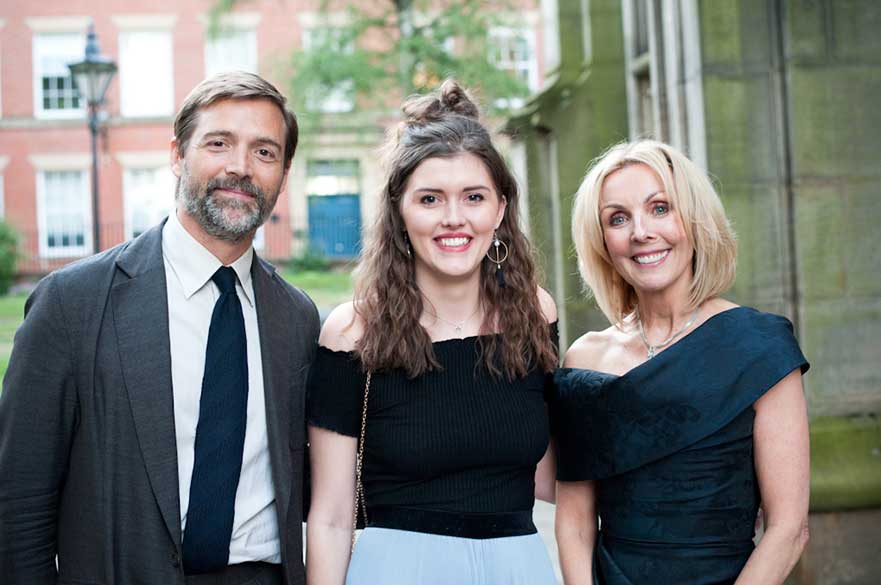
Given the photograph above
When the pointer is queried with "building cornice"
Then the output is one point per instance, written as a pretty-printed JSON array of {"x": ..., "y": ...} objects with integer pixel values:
[
  {"x": 58, "y": 24},
  {"x": 60, "y": 162},
  {"x": 30, "y": 123},
  {"x": 134, "y": 159},
  {"x": 132, "y": 22},
  {"x": 233, "y": 20},
  {"x": 310, "y": 19}
]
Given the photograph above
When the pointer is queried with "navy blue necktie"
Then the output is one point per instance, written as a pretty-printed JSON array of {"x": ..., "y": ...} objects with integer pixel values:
[{"x": 220, "y": 434}]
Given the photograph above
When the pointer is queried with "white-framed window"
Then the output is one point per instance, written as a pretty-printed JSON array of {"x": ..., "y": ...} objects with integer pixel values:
[
  {"x": 149, "y": 197},
  {"x": 55, "y": 94},
  {"x": 146, "y": 73},
  {"x": 342, "y": 97},
  {"x": 645, "y": 69},
  {"x": 664, "y": 86},
  {"x": 333, "y": 177},
  {"x": 231, "y": 50},
  {"x": 550, "y": 23},
  {"x": 512, "y": 49},
  {"x": 63, "y": 213}
]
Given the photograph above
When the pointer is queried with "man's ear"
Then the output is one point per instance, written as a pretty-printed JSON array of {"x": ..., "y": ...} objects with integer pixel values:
[{"x": 176, "y": 159}]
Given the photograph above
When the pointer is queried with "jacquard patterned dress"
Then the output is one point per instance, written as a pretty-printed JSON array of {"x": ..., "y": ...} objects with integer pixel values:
[{"x": 670, "y": 446}]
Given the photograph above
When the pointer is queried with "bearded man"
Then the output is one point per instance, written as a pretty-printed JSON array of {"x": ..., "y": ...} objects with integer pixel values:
[{"x": 151, "y": 421}]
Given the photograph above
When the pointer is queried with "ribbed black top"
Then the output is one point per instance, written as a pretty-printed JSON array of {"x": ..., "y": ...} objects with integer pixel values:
[{"x": 454, "y": 440}]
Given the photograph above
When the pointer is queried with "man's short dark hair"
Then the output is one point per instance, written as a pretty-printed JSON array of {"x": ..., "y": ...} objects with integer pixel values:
[{"x": 233, "y": 85}]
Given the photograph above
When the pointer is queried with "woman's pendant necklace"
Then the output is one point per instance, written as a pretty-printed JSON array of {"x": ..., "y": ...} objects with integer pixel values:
[
  {"x": 457, "y": 326},
  {"x": 652, "y": 350}
]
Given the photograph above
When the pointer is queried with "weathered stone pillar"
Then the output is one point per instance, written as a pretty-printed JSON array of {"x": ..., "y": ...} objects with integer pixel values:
[{"x": 792, "y": 127}]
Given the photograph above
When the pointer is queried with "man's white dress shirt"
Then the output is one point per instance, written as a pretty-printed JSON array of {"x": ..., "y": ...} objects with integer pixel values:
[{"x": 191, "y": 298}]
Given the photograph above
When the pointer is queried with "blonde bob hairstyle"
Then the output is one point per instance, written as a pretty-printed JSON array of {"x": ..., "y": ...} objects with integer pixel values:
[{"x": 690, "y": 194}]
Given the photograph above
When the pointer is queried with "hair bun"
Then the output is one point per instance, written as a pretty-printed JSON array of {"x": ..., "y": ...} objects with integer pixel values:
[
  {"x": 454, "y": 98},
  {"x": 449, "y": 98}
]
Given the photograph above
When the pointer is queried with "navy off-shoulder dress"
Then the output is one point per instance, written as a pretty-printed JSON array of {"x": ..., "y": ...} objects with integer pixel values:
[{"x": 670, "y": 446}]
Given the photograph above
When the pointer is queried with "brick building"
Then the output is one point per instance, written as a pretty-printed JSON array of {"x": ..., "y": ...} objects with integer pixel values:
[{"x": 163, "y": 49}]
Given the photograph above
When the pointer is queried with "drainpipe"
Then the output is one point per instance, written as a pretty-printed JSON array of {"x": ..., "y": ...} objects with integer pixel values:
[{"x": 780, "y": 95}]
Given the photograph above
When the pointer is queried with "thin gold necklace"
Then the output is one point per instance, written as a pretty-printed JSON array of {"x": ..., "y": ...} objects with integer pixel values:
[
  {"x": 457, "y": 326},
  {"x": 652, "y": 350}
]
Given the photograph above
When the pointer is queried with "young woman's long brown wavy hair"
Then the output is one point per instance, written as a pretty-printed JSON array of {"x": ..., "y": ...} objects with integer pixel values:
[{"x": 387, "y": 297}]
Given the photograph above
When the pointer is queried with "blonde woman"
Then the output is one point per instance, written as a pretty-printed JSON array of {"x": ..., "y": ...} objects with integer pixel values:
[{"x": 676, "y": 422}]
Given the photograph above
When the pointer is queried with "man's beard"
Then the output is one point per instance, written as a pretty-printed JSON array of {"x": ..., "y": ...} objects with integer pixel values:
[{"x": 224, "y": 218}]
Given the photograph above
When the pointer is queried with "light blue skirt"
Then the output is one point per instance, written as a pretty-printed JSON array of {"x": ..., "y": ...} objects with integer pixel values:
[{"x": 385, "y": 556}]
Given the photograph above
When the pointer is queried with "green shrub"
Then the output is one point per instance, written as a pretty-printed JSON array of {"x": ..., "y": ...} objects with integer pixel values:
[
  {"x": 310, "y": 260},
  {"x": 8, "y": 256}
]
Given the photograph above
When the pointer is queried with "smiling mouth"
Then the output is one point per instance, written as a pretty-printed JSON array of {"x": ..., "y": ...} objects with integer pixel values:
[
  {"x": 453, "y": 243},
  {"x": 652, "y": 258}
]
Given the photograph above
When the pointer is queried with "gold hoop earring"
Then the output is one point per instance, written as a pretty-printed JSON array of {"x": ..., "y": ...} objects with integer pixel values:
[{"x": 497, "y": 254}]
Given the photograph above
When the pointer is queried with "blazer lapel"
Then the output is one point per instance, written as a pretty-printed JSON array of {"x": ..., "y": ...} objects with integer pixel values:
[
  {"x": 276, "y": 338},
  {"x": 140, "y": 312}
]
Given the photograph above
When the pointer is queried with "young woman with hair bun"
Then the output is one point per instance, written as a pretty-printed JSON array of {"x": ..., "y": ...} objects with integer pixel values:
[{"x": 452, "y": 341}]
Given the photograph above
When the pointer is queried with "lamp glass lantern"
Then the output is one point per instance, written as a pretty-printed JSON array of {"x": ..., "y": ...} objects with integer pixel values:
[{"x": 93, "y": 74}]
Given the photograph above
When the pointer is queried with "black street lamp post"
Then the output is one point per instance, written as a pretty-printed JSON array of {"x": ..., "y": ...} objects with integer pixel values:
[{"x": 92, "y": 77}]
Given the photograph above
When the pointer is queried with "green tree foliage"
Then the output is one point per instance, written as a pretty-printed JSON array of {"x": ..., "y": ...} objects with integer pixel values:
[
  {"x": 8, "y": 256},
  {"x": 389, "y": 49}
]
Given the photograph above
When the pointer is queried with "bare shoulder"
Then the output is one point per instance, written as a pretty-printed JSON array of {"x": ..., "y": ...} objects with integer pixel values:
[
  {"x": 548, "y": 305},
  {"x": 591, "y": 349},
  {"x": 717, "y": 305},
  {"x": 342, "y": 329}
]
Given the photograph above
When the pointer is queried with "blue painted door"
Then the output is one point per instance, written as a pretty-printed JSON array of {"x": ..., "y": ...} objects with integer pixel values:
[{"x": 335, "y": 225}]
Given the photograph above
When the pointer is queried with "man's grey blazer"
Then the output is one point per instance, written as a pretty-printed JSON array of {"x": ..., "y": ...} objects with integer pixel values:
[{"x": 88, "y": 462}]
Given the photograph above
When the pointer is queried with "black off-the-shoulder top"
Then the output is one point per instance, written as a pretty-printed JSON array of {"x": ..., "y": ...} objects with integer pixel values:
[{"x": 453, "y": 451}]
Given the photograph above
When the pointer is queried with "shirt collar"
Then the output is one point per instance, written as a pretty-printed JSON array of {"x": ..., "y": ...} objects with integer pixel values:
[{"x": 194, "y": 265}]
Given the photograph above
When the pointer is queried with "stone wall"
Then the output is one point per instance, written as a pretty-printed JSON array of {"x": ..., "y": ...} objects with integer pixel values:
[
  {"x": 793, "y": 137},
  {"x": 833, "y": 58},
  {"x": 565, "y": 127}
]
